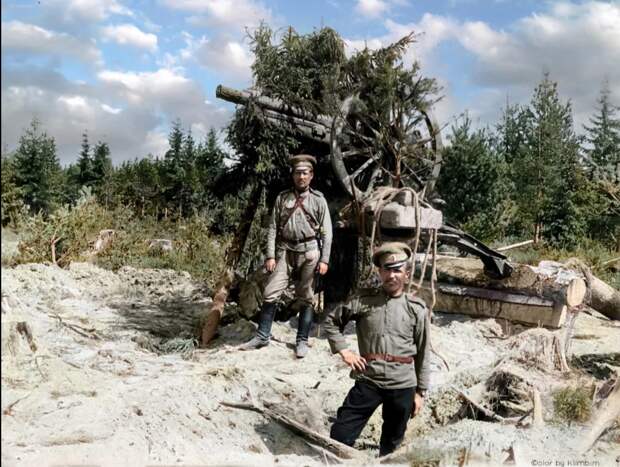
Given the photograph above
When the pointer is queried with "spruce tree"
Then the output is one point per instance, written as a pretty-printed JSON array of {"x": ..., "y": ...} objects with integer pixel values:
[
  {"x": 12, "y": 203},
  {"x": 37, "y": 169},
  {"x": 603, "y": 161},
  {"x": 547, "y": 174},
  {"x": 209, "y": 159},
  {"x": 172, "y": 172},
  {"x": 102, "y": 173},
  {"x": 472, "y": 182},
  {"x": 85, "y": 163},
  {"x": 603, "y": 137},
  {"x": 102, "y": 163}
]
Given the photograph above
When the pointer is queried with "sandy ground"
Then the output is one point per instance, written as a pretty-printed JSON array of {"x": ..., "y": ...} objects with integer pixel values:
[{"x": 86, "y": 381}]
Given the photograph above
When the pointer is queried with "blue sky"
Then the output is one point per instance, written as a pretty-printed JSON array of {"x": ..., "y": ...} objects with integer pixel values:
[{"x": 123, "y": 70}]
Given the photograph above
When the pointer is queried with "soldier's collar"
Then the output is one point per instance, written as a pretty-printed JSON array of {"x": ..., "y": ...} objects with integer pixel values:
[{"x": 388, "y": 296}]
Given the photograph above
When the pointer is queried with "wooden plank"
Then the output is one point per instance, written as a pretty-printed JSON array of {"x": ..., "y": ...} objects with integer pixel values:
[{"x": 491, "y": 303}]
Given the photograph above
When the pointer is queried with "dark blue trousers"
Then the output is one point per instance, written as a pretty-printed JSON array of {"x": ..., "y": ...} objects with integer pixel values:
[{"x": 361, "y": 402}]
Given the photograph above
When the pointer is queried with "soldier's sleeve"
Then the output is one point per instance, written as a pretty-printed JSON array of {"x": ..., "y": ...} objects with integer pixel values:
[
  {"x": 335, "y": 322},
  {"x": 422, "y": 340},
  {"x": 272, "y": 232},
  {"x": 326, "y": 232}
]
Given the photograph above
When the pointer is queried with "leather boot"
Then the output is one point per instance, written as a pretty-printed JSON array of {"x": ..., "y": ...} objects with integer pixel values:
[
  {"x": 303, "y": 330},
  {"x": 265, "y": 320}
]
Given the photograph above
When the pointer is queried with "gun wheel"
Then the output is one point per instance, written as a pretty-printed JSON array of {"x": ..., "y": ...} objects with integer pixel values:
[{"x": 364, "y": 154}]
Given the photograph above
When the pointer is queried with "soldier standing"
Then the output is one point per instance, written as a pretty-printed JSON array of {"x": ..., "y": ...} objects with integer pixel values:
[
  {"x": 393, "y": 365},
  {"x": 299, "y": 221}
]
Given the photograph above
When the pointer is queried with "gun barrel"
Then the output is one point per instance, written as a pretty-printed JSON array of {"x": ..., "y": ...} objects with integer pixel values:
[{"x": 277, "y": 105}]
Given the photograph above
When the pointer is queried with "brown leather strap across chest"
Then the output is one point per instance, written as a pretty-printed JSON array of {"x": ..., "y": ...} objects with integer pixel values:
[{"x": 387, "y": 357}]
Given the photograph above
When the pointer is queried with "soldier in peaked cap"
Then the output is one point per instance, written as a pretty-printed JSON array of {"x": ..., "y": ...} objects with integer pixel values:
[
  {"x": 299, "y": 221},
  {"x": 392, "y": 367}
]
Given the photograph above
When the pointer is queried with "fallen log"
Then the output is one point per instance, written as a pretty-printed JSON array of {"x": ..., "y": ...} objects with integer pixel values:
[
  {"x": 605, "y": 299},
  {"x": 337, "y": 448},
  {"x": 558, "y": 284}
]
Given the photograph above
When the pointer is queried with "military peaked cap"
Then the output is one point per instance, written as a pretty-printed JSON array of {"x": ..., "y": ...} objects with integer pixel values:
[
  {"x": 391, "y": 255},
  {"x": 302, "y": 160}
]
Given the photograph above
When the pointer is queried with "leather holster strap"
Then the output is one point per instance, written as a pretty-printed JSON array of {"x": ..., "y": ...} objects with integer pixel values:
[{"x": 387, "y": 357}]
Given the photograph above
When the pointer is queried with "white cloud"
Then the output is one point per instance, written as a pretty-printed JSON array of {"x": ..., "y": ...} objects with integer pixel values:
[
  {"x": 578, "y": 44},
  {"x": 130, "y": 111},
  {"x": 156, "y": 143},
  {"x": 140, "y": 87},
  {"x": 229, "y": 57},
  {"x": 129, "y": 34},
  {"x": 236, "y": 13},
  {"x": 87, "y": 10},
  {"x": 110, "y": 109},
  {"x": 24, "y": 38},
  {"x": 371, "y": 8}
]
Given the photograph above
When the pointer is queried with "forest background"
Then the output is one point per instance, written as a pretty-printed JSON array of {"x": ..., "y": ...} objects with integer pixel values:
[{"x": 531, "y": 175}]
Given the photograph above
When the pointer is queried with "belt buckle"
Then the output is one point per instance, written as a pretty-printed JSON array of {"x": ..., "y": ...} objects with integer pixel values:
[{"x": 389, "y": 358}]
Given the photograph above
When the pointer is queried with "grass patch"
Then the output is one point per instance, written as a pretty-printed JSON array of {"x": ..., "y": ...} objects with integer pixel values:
[
  {"x": 74, "y": 230},
  {"x": 573, "y": 404}
]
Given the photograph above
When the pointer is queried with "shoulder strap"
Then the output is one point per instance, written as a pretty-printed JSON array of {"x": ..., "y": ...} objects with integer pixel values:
[
  {"x": 413, "y": 298},
  {"x": 299, "y": 203}
]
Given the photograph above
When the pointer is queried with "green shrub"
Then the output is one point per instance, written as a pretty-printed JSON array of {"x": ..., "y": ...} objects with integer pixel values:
[
  {"x": 573, "y": 404},
  {"x": 69, "y": 230},
  {"x": 73, "y": 230}
]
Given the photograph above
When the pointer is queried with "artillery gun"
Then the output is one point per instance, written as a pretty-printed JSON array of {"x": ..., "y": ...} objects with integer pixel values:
[{"x": 388, "y": 172}]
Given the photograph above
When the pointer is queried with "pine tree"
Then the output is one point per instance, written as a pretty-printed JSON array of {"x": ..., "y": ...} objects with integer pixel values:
[
  {"x": 37, "y": 169},
  {"x": 71, "y": 185},
  {"x": 604, "y": 138},
  {"x": 189, "y": 148},
  {"x": 102, "y": 173},
  {"x": 547, "y": 173},
  {"x": 146, "y": 186},
  {"x": 85, "y": 163},
  {"x": 603, "y": 160},
  {"x": 175, "y": 141},
  {"x": 209, "y": 163},
  {"x": 472, "y": 182},
  {"x": 102, "y": 163},
  {"x": 12, "y": 203},
  {"x": 172, "y": 172}
]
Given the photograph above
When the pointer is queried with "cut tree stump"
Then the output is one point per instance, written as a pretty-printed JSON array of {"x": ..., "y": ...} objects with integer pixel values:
[{"x": 549, "y": 280}]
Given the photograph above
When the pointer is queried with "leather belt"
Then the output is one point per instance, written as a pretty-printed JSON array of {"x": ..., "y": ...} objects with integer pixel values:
[
  {"x": 387, "y": 357},
  {"x": 297, "y": 242}
]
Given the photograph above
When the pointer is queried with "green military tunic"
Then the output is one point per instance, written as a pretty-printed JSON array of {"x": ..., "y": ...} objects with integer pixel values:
[
  {"x": 397, "y": 326},
  {"x": 291, "y": 229}
]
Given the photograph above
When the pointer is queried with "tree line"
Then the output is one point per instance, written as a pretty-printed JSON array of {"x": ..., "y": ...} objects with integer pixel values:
[
  {"x": 529, "y": 176},
  {"x": 177, "y": 185}
]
